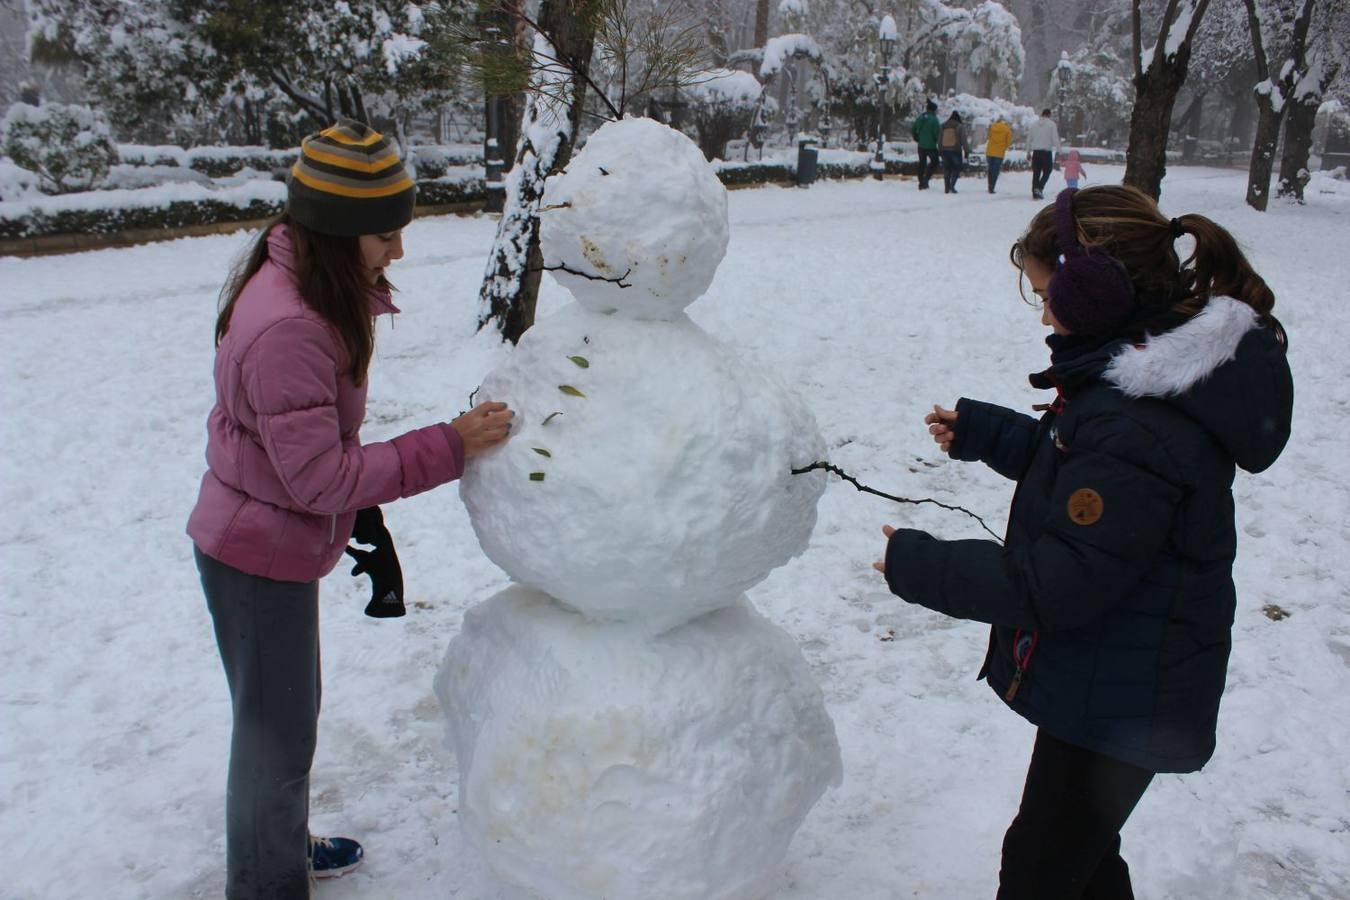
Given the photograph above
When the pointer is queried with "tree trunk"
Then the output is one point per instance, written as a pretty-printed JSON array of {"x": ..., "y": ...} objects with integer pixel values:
[
  {"x": 761, "y": 23},
  {"x": 1298, "y": 130},
  {"x": 501, "y": 20},
  {"x": 1240, "y": 124},
  {"x": 1155, "y": 93},
  {"x": 1263, "y": 152},
  {"x": 1146, "y": 156},
  {"x": 553, "y": 108},
  {"x": 1274, "y": 94}
]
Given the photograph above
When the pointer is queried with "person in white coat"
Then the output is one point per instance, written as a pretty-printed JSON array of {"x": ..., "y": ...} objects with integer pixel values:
[{"x": 1043, "y": 141}]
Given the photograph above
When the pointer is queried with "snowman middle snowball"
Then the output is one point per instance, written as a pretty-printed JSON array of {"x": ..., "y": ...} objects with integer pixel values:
[{"x": 649, "y": 474}]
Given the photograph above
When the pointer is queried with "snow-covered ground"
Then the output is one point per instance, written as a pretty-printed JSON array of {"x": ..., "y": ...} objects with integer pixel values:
[{"x": 875, "y": 301}]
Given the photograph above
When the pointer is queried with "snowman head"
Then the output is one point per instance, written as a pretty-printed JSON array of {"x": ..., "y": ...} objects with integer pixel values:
[{"x": 637, "y": 222}]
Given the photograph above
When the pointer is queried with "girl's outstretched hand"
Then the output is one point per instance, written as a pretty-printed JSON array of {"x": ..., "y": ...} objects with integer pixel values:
[
  {"x": 941, "y": 425},
  {"x": 880, "y": 565},
  {"x": 483, "y": 427}
]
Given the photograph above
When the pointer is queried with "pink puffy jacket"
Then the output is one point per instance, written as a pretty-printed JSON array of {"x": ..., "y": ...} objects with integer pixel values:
[{"x": 286, "y": 470}]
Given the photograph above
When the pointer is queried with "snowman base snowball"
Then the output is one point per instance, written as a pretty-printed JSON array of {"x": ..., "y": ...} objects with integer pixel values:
[{"x": 597, "y": 762}]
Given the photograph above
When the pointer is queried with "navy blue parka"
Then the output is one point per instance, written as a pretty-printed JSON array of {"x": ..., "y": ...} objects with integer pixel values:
[{"x": 1113, "y": 592}]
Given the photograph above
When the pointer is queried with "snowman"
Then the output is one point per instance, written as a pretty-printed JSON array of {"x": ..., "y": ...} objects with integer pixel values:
[{"x": 627, "y": 725}]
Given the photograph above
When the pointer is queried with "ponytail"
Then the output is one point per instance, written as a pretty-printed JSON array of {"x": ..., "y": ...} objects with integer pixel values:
[{"x": 1218, "y": 268}]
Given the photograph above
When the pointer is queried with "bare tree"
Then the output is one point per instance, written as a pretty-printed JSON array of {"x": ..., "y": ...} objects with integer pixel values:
[
  {"x": 1159, "y": 73},
  {"x": 1328, "y": 41},
  {"x": 1279, "y": 31}
]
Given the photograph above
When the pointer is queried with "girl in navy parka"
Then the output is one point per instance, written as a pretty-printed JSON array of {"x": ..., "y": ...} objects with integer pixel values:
[{"x": 1112, "y": 599}]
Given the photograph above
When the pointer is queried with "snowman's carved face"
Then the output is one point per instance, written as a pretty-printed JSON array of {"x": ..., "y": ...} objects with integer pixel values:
[{"x": 637, "y": 222}]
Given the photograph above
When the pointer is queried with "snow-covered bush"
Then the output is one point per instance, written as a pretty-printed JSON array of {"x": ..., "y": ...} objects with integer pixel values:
[
  {"x": 68, "y": 146},
  {"x": 1090, "y": 95},
  {"x": 16, "y": 182},
  {"x": 980, "y": 112},
  {"x": 990, "y": 47},
  {"x": 722, "y": 102},
  {"x": 434, "y": 160}
]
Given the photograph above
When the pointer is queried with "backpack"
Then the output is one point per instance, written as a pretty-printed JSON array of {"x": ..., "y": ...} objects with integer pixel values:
[{"x": 951, "y": 137}]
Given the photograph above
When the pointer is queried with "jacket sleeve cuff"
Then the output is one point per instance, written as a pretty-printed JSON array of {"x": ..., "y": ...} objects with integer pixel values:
[
  {"x": 430, "y": 457},
  {"x": 901, "y": 553},
  {"x": 971, "y": 432}
]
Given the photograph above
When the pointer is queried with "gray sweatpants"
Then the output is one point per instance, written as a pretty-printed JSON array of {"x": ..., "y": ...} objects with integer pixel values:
[{"x": 268, "y": 635}]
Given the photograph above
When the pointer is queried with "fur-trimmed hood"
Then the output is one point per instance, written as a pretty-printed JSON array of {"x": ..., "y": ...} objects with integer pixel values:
[{"x": 1222, "y": 368}]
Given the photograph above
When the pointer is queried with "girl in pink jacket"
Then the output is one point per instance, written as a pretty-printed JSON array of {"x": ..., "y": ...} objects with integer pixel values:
[
  {"x": 1073, "y": 170},
  {"x": 288, "y": 480}
]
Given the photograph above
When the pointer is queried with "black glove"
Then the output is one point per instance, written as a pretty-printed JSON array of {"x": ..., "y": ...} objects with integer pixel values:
[{"x": 381, "y": 564}]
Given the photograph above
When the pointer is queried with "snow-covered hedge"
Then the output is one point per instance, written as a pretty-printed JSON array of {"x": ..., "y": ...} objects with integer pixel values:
[
  {"x": 237, "y": 199},
  {"x": 214, "y": 162},
  {"x": 126, "y": 177},
  {"x": 838, "y": 165},
  {"x": 434, "y": 160},
  {"x": 163, "y": 206},
  {"x": 218, "y": 162},
  {"x": 429, "y": 160},
  {"x": 249, "y": 195},
  {"x": 463, "y": 184}
]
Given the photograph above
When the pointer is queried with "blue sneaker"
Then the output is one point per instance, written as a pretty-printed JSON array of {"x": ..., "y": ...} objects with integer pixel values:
[{"x": 333, "y": 857}]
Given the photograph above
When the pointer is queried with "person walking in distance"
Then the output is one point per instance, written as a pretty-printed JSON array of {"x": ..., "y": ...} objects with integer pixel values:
[
  {"x": 1073, "y": 169},
  {"x": 995, "y": 147},
  {"x": 1043, "y": 141},
  {"x": 955, "y": 148},
  {"x": 288, "y": 481},
  {"x": 925, "y": 132}
]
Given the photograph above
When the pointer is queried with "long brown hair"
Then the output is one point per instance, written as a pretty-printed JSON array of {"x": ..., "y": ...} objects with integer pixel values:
[
  {"x": 329, "y": 274},
  {"x": 1126, "y": 223}
]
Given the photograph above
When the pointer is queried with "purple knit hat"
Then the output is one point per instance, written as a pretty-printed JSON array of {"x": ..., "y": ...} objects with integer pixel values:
[{"x": 1090, "y": 290}]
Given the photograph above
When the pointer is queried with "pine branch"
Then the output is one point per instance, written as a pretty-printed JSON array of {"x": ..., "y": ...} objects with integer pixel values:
[
  {"x": 575, "y": 67},
  {"x": 867, "y": 490}
]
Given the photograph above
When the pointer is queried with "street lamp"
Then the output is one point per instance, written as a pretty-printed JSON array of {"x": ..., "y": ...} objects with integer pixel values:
[{"x": 886, "y": 38}]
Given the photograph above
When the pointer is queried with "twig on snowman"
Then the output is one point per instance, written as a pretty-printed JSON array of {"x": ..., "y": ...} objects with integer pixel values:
[
  {"x": 560, "y": 267},
  {"x": 868, "y": 490}
]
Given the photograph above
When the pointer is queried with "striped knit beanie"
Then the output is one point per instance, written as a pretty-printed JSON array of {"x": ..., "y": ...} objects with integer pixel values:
[{"x": 348, "y": 181}]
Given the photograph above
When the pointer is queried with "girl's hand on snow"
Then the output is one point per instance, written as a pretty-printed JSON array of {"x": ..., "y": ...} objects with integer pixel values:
[
  {"x": 483, "y": 427},
  {"x": 942, "y": 426},
  {"x": 880, "y": 565}
]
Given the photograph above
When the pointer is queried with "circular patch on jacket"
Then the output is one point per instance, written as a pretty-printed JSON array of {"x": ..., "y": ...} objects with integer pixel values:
[{"x": 1085, "y": 506}]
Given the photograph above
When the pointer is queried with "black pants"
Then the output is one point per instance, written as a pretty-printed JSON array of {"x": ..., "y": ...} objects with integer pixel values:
[
  {"x": 928, "y": 163},
  {"x": 1064, "y": 843},
  {"x": 268, "y": 635},
  {"x": 952, "y": 163},
  {"x": 1042, "y": 164}
]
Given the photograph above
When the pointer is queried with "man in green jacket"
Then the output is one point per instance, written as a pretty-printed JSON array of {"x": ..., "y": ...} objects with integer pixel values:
[{"x": 925, "y": 130}]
